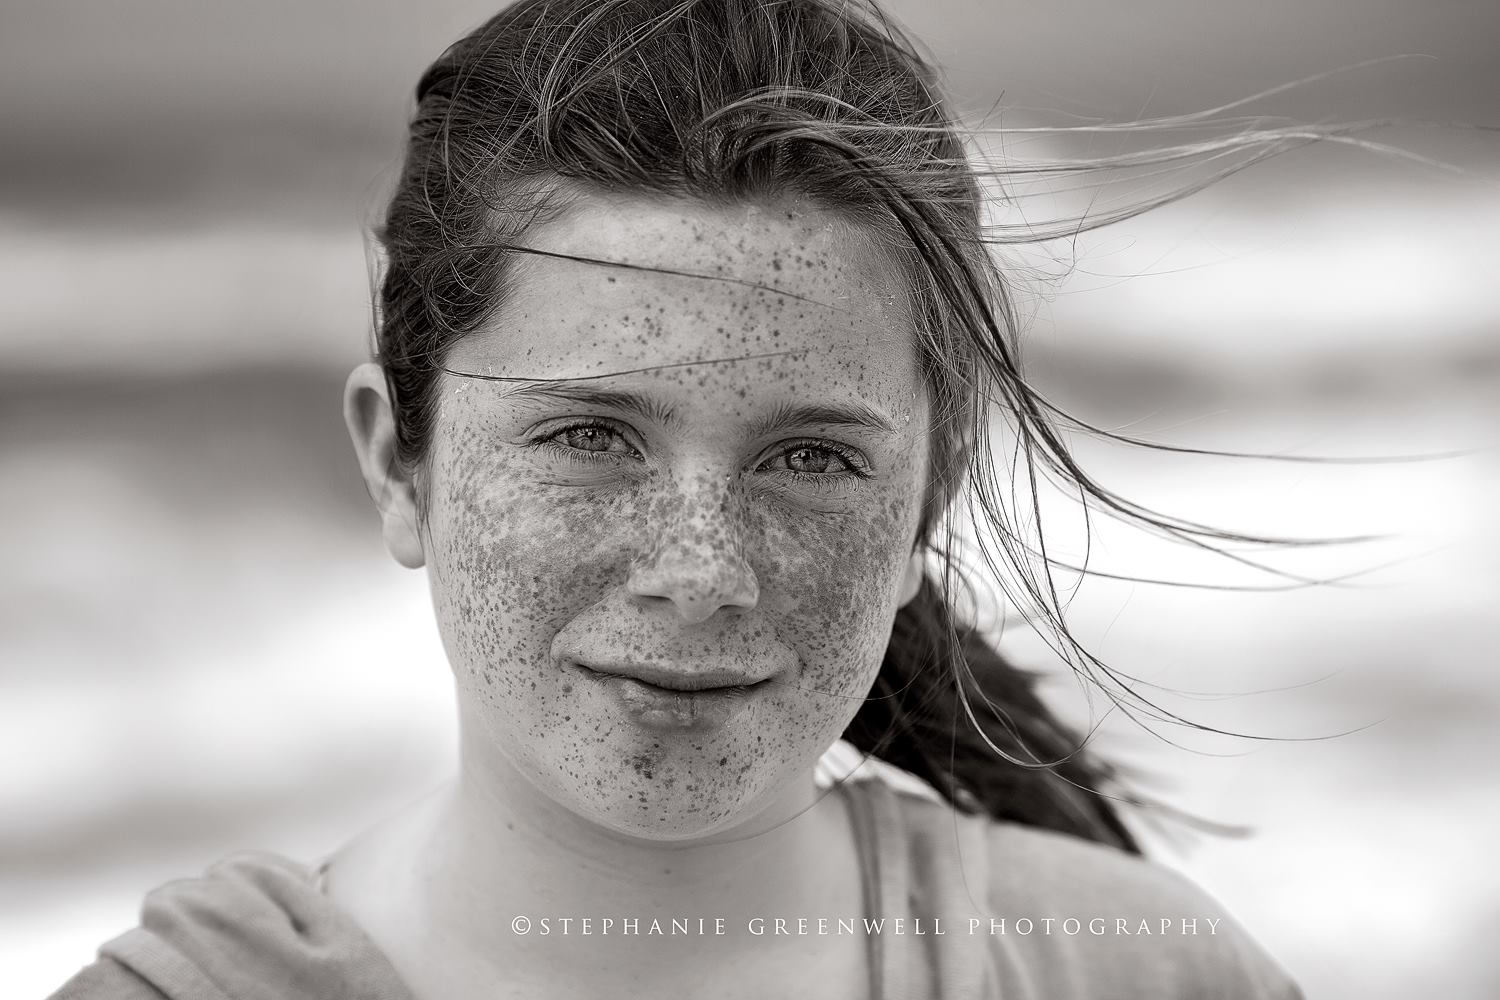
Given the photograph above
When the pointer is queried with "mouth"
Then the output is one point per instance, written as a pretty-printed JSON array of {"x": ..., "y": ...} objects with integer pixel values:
[
  {"x": 665, "y": 700},
  {"x": 675, "y": 681}
]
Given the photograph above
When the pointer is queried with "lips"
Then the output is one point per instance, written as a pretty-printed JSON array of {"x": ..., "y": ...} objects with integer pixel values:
[
  {"x": 665, "y": 700},
  {"x": 690, "y": 680}
]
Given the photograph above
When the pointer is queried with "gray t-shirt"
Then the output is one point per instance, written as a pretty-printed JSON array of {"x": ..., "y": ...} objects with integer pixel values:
[{"x": 956, "y": 906}]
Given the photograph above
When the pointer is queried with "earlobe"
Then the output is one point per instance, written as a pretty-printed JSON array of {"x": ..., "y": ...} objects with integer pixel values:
[
  {"x": 403, "y": 542},
  {"x": 911, "y": 582},
  {"x": 372, "y": 429}
]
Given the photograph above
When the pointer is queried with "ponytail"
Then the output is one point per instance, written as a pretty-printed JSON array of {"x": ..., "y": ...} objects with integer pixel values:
[{"x": 914, "y": 718}]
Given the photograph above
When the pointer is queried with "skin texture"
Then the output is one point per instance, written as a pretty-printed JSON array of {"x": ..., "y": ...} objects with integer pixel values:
[{"x": 698, "y": 535}]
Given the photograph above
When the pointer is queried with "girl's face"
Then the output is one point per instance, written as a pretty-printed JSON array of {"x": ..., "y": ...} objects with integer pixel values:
[{"x": 666, "y": 570}]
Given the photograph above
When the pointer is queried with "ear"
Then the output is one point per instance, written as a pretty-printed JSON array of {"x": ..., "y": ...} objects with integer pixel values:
[
  {"x": 372, "y": 428},
  {"x": 911, "y": 581}
]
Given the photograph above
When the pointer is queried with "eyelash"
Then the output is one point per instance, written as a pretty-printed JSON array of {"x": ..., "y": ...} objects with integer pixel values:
[
  {"x": 549, "y": 440},
  {"x": 854, "y": 462}
]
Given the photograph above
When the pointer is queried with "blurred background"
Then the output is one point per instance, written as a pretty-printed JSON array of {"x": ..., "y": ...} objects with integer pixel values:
[{"x": 203, "y": 646}]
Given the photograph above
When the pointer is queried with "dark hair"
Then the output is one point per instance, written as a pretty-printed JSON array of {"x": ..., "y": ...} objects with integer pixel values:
[{"x": 724, "y": 100}]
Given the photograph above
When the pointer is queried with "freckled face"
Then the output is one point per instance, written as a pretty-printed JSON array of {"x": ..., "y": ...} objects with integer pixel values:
[{"x": 596, "y": 544}]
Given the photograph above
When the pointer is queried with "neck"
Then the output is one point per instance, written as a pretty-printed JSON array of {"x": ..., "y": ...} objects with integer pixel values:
[
  {"x": 454, "y": 876},
  {"x": 519, "y": 846}
]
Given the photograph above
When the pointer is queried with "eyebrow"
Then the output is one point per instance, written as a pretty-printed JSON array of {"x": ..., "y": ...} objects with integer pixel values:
[
  {"x": 629, "y": 402},
  {"x": 852, "y": 413}
]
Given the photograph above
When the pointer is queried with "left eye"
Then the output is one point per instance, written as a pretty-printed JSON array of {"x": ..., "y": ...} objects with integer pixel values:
[{"x": 811, "y": 459}]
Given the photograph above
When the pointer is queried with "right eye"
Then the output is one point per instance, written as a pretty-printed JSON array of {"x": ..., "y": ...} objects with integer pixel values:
[{"x": 590, "y": 437}]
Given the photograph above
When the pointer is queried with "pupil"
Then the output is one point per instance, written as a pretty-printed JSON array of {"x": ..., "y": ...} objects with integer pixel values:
[
  {"x": 590, "y": 439},
  {"x": 810, "y": 460}
]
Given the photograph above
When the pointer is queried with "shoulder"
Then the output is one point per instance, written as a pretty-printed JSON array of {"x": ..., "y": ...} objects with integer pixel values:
[
  {"x": 1067, "y": 917},
  {"x": 1036, "y": 867},
  {"x": 107, "y": 979},
  {"x": 193, "y": 929},
  {"x": 251, "y": 919}
]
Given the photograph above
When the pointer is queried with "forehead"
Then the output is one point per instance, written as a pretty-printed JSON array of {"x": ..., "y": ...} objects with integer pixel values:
[{"x": 671, "y": 286}]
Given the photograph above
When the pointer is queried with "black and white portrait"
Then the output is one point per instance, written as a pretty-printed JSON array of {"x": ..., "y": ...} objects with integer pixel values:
[{"x": 749, "y": 498}]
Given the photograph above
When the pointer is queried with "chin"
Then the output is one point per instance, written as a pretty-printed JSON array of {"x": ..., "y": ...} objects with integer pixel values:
[
  {"x": 669, "y": 807},
  {"x": 670, "y": 816}
]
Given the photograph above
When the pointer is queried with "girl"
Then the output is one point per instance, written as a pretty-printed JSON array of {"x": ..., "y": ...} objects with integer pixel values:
[{"x": 688, "y": 339}]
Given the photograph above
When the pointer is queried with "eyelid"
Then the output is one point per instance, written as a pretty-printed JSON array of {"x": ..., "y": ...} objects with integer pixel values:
[
  {"x": 548, "y": 435},
  {"x": 859, "y": 465}
]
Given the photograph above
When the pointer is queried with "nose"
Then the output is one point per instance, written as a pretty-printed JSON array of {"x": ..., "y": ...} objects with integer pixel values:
[{"x": 697, "y": 561}]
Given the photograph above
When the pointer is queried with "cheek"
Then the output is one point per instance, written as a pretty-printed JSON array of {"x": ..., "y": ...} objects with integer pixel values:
[
  {"x": 830, "y": 583},
  {"x": 514, "y": 561}
]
